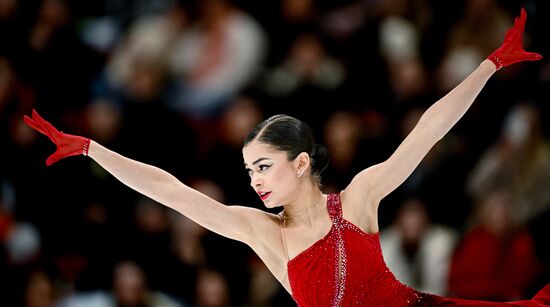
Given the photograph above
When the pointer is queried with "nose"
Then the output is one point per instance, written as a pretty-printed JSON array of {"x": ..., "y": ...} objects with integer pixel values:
[{"x": 256, "y": 181}]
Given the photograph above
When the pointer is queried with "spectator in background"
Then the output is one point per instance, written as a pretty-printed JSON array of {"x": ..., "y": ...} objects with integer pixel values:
[
  {"x": 190, "y": 257},
  {"x": 15, "y": 97},
  {"x": 139, "y": 65},
  {"x": 55, "y": 62},
  {"x": 343, "y": 136},
  {"x": 21, "y": 241},
  {"x": 104, "y": 120},
  {"x": 473, "y": 36},
  {"x": 39, "y": 290},
  {"x": 212, "y": 289},
  {"x": 215, "y": 58},
  {"x": 150, "y": 246},
  {"x": 518, "y": 162},
  {"x": 417, "y": 251},
  {"x": 129, "y": 289},
  {"x": 306, "y": 78},
  {"x": 265, "y": 290},
  {"x": 482, "y": 22},
  {"x": 307, "y": 63},
  {"x": 496, "y": 258}
]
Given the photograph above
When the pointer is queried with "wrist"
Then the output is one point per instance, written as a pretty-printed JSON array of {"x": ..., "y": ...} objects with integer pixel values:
[
  {"x": 489, "y": 66},
  {"x": 86, "y": 147}
]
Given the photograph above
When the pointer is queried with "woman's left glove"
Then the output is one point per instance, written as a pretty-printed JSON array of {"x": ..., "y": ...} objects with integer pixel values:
[
  {"x": 511, "y": 51},
  {"x": 67, "y": 144}
]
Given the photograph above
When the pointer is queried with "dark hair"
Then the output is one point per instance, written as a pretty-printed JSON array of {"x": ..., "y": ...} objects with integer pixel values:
[{"x": 293, "y": 136}]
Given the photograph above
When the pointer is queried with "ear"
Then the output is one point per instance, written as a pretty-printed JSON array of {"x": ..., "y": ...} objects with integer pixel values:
[{"x": 301, "y": 163}]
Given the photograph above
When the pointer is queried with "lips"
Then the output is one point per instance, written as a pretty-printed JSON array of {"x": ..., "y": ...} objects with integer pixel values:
[{"x": 264, "y": 195}]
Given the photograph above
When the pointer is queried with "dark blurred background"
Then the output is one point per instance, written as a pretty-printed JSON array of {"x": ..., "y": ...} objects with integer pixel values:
[{"x": 179, "y": 84}]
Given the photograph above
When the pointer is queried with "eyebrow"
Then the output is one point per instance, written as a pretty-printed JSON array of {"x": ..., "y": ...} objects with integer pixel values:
[{"x": 258, "y": 161}]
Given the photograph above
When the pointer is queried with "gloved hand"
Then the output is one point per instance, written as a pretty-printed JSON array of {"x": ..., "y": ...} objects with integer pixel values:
[
  {"x": 511, "y": 51},
  {"x": 67, "y": 144}
]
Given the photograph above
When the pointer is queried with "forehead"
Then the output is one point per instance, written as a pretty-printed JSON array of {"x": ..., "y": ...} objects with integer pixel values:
[{"x": 255, "y": 150}]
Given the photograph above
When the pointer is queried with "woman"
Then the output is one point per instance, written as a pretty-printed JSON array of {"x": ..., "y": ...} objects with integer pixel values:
[{"x": 324, "y": 249}]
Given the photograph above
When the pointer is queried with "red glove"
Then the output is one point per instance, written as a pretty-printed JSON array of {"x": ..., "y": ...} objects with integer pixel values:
[
  {"x": 511, "y": 51},
  {"x": 67, "y": 144}
]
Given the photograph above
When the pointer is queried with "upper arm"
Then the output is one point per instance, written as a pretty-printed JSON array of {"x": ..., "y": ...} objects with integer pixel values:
[
  {"x": 234, "y": 222},
  {"x": 256, "y": 228},
  {"x": 371, "y": 185}
]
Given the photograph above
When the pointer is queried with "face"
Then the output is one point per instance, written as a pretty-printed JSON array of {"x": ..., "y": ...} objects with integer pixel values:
[{"x": 272, "y": 175}]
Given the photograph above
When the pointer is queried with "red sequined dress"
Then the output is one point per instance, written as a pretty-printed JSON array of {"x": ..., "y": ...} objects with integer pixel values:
[{"x": 346, "y": 268}]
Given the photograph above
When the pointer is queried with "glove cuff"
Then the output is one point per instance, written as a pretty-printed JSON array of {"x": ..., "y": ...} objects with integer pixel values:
[
  {"x": 496, "y": 60},
  {"x": 86, "y": 147}
]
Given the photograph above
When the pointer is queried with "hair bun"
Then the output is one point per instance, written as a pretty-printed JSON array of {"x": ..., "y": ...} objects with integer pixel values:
[{"x": 319, "y": 155}]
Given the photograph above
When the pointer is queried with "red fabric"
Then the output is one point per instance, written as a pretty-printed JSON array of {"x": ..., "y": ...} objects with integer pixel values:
[
  {"x": 511, "y": 51},
  {"x": 67, "y": 144},
  {"x": 485, "y": 266},
  {"x": 346, "y": 268}
]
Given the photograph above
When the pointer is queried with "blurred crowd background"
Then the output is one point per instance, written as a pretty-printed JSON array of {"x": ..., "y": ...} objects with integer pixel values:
[{"x": 179, "y": 84}]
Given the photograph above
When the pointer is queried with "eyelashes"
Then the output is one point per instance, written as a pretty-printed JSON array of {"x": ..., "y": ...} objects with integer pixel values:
[{"x": 261, "y": 168}]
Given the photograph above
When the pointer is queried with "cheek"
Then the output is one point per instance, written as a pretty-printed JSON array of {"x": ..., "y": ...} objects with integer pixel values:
[
  {"x": 283, "y": 175},
  {"x": 284, "y": 180}
]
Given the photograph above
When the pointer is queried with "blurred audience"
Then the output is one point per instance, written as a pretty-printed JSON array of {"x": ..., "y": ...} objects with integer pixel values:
[
  {"x": 495, "y": 259},
  {"x": 215, "y": 59},
  {"x": 130, "y": 289},
  {"x": 343, "y": 133},
  {"x": 180, "y": 83},
  {"x": 518, "y": 162},
  {"x": 212, "y": 290},
  {"x": 417, "y": 251},
  {"x": 139, "y": 64},
  {"x": 305, "y": 79},
  {"x": 39, "y": 290}
]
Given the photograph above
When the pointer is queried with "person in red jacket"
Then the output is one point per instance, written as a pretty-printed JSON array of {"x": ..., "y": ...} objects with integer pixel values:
[{"x": 495, "y": 260}]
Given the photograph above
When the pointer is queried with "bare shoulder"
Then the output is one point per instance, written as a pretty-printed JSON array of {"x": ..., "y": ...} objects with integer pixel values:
[
  {"x": 362, "y": 190},
  {"x": 359, "y": 208},
  {"x": 257, "y": 217},
  {"x": 364, "y": 185},
  {"x": 263, "y": 226}
]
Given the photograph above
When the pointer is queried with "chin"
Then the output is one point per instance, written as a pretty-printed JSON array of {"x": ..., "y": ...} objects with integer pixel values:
[{"x": 271, "y": 204}]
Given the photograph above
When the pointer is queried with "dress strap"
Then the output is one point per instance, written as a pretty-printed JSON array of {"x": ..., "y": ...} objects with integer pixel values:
[{"x": 334, "y": 207}]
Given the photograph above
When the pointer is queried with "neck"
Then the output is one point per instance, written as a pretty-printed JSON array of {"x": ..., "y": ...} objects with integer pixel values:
[{"x": 306, "y": 208}]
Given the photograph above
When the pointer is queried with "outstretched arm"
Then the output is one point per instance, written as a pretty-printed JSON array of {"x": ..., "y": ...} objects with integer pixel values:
[
  {"x": 370, "y": 186},
  {"x": 239, "y": 223},
  {"x": 381, "y": 179},
  {"x": 234, "y": 222}
]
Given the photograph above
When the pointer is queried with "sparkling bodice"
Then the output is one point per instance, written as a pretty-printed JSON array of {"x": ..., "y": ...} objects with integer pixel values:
[{"x": 346, "y": 268}]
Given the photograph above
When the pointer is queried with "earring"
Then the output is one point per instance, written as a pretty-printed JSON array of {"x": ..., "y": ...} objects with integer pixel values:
[{"x": 300, "y": 174}]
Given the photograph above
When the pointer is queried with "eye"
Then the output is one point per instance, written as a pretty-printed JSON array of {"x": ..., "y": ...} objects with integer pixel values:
[
  {"x": 263, "y": 167},
  {"x": 249, "y": 172}
]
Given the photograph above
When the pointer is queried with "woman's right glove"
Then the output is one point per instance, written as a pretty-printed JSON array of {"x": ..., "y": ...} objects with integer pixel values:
[
  {"x": 511, "y": 51},
  {"x": 67, "y": 144}
]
